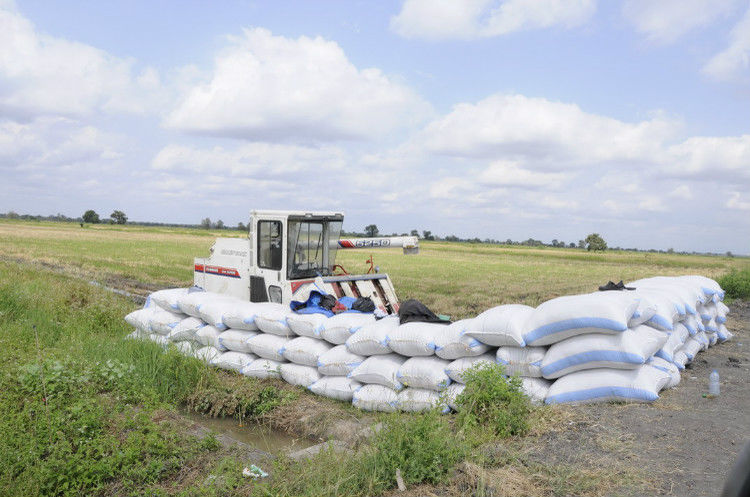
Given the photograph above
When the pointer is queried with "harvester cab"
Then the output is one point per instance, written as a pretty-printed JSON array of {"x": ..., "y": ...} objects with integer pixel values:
[{"x": 286, "y": 253}]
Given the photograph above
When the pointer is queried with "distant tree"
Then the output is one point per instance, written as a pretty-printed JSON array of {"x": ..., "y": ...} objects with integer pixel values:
[
  {"x": 729, "y": 253},
  {"x": 595, "y": 242},
  {"x": 241, "y": 227},
  {"x": 427, "y": 235},
  {"x": 509, "y": 242},
  {"x": 451, "y": 238},
  {"x": 414, "y": 233},
  {"x": 371, "y": 230},
  {"x": 91, "y": 217},
  {"x": 581, "y": 244},
  {"x": 572, "y": 245},
  {"x": 554, "y": 242},
  {"x": 119, "y": 217},
  {"x": 206, "y": 223},
  {"x": 219, "y": 224},
  {"x": 12, "y": 215},
  {"x": 670, "y": 250}
]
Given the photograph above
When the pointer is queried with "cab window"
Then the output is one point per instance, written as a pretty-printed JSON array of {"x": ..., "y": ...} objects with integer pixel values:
[{"x": 269, "y": 244}]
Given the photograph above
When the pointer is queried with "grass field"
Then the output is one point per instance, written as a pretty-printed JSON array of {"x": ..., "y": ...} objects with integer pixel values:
[
  {"x": 458, "y": 279},
  {"x": 88, "y": 413}
]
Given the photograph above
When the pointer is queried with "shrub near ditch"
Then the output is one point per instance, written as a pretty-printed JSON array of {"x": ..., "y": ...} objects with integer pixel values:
[
  {"x": 493, "y": 400},
  {"x": 736, "y": 284}
]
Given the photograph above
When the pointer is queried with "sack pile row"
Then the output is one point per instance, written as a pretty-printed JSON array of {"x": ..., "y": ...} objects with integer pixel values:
[{"x": 606, "y": 346}]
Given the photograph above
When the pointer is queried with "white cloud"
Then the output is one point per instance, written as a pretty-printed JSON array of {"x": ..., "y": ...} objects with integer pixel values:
[
  {"x": 736, "y": 202},
  {"x": 664, "y": 21},
  {"x": 45, "y": 75},
  {"x": 469, "y": 19},
  {"x": 734, "y": 61},
  {"x": 250, "y": 160},
  {"x": 710, "y": 157},
  {"x": 551, "y": 134},
  {"x": 272, "y": 88},
  {"x": 682, "y": 192},
  {"x": 506, "y": 173}
]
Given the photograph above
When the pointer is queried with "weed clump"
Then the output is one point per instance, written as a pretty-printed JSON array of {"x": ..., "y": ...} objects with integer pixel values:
[
  {"x": 736, "y": 284},
  {"x": 493, "y": 400},
  {"x": 422, "y": 446}
]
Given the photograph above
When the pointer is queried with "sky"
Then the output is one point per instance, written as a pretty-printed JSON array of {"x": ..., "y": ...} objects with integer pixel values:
[{"x": 545, "y": 119}]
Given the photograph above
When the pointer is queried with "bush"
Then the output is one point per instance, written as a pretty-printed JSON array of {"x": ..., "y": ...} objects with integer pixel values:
[
  {"x": 493, "y": 400},
  {"x": 422, "y": 446},
  {"x": 736, "y": 284}
]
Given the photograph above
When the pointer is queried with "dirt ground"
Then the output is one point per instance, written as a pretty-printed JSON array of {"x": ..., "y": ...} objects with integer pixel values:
[{"x": 684, "y": 443}]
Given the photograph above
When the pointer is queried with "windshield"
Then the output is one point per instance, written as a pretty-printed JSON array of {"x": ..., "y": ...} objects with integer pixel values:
[{"x": 308, "y": 253}]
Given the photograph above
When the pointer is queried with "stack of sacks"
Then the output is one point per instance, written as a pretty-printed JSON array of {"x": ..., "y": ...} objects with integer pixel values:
[
  {"x": 604, "y": 346},
  {"x": 673, "y": 320}
]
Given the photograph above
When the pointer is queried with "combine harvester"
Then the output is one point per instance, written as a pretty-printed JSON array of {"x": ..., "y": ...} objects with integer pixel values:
[{"x": 284, "y": 253}]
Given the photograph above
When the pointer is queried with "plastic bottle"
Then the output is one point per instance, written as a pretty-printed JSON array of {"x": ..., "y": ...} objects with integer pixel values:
[{"x": 713, "y": 384}]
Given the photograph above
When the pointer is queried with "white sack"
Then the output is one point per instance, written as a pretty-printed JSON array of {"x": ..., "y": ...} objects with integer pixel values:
[
  {"x": 693, "y": 325},
  {"x": 419, "y": 399},
  {"x": 722, "y": 311},
  {"x": 453, "y": 342},
  {"x": 209, "y": 336},
  {"x": 241, "y": 316},
  {"x": 186, "y": 329},
  {"x": 185, "y": 348},
  {"x": 372, "y": 338},
  {"x": 564, "y": 317},
  {"x": 268, "y": 346},
  {"x": 375, "y": 398},
  {"x": 702, "y": 338},
  {"x": 212, "y": 311},
  {"x": 263, "y": 368},
  {"x": 167, "y": 299},
  {"x": 140, "y": 319},
  {"x": 236, "y": 340},
  {"x": 668, "y": 367},
  {"x": 271, "y": 318},
  {"x": 190, "y": 303},
  {"x": 335, "y": 387},
  {"x": 680, "y": 359},
  {"x": 339, "y": 328},
  {"x": 159, "y": 339},
  {"x": 305, "y": 350},
  {"x": 207, "y": 354},
  {"x": 415, "y": 339},
  {"x": 723, "y": 334},
  {"x": 626, "y": 350},
  {"x": 163, "y": 322},
  {"x": 707, "y": 285},
  {"x": 645, "y": 311},
  {"x": 424, "y": 372},
  {"x": 233, "y": 361},
  {"x": 379, "y": 370},
  {"x": 501, "y": 325},
  {"x": 521, "y": 361},
  {"x": 536, "y": 389},
  {"x": 608, "y": 385},
  {"x": 297, "y": 374},
  {"x": 306, "y": 325},
  {"x": 713, "y": 339},
  {"x": 691, "y": 348},
  {"x": 451, "y": 394},
  {"x": 455, "y": 369},
  {"x": 338, "y": 361},
  {"x": 675, "y": 340},
  {"x": 667, "y": 309}
]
